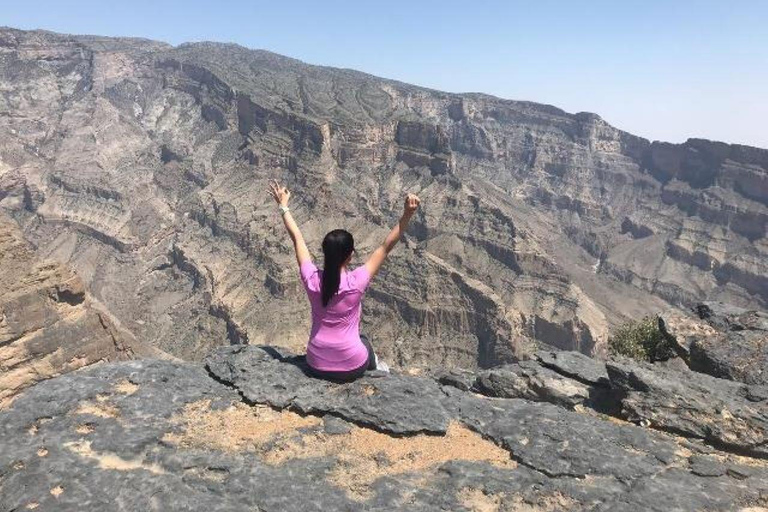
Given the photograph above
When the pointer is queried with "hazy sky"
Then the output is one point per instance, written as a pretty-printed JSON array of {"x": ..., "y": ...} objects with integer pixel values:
[{"x": 663, "y": 70}]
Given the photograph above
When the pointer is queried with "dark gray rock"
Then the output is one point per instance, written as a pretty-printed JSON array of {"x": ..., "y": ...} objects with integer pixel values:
[
  {"x": 694, "y": 405},
  {"x": 575, "y": 365},
  {"x": 530, "y": 380},
  {"x": 740, "y": 351},
  {"x": 757, "y": 393},
  {"x": 455, "y": 377},
  {"x": 568, "y": 379},
  {"x": 565, "y": 460},
  {"x": 703, "y": 465},
  {"x": 727, "y": 317},
  {"x": 561, "y": 443},
  {"x": 334, "y": 426},
  {"x": 397, "y": 404},
  {"x": 740, "y": 472}
]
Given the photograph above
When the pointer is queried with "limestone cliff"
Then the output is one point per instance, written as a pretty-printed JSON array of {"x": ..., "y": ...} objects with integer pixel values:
[
  {"x": 143, "y": 166},
  {"x": 48, "y": 323}
]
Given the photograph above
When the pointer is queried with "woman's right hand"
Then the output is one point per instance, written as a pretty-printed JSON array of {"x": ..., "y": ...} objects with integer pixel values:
[
  {"x": 412, "y": 203},
  {"x": 376, "y": 259},
  {"x": 279, "y": 193}
]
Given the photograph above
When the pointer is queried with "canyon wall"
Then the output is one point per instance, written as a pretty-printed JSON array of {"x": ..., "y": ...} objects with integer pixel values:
[{"x": 144, "y": 168}]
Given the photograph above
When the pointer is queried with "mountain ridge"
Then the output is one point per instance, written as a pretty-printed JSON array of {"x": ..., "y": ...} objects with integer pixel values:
[
  {"x": 143, "y": 165},
  {"x": 270, "y": 53}
]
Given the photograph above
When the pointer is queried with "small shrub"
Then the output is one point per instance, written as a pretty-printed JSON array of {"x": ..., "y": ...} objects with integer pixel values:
[{"x": 642, "y": 340}]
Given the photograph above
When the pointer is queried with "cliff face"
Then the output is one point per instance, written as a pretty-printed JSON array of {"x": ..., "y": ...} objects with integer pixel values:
[
  {"x": 144, "y": 168},
  {"x": 48, "y": 324}
]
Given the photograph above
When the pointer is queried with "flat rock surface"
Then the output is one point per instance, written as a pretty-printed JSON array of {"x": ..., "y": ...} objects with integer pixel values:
[
  {"x": 396, "y": 405},
  {"x": 249, "y": 431}
]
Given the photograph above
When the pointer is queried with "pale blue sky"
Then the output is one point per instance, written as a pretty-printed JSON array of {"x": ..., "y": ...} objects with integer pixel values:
[{"x": 665, "y": 70}]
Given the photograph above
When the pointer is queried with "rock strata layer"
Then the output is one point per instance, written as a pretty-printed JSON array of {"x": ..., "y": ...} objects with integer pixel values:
[
  {"x": 48, "y": 323},
  {"x": 143, "y": 167}
]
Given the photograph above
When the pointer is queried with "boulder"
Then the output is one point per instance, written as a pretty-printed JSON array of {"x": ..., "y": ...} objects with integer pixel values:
[{"x": 530, "y": 380}]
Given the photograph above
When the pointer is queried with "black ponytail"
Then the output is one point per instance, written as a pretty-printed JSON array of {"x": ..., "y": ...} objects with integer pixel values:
[{"x": 337, "y": 246}]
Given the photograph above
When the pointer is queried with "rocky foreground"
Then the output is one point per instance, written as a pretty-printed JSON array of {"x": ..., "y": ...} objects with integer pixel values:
[{"x": 248, "y": 430}]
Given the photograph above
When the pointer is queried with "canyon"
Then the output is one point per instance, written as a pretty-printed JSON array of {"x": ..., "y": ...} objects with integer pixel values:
[{"x": 143, "y": 168}]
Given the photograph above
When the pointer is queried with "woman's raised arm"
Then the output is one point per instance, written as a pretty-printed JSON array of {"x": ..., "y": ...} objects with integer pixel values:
[
  {"x": 380, "y": 254},
  {"x": 281, "y": 195}
]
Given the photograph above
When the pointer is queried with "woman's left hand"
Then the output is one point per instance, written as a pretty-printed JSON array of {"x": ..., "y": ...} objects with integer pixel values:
[{"x": 279, "y": 193}]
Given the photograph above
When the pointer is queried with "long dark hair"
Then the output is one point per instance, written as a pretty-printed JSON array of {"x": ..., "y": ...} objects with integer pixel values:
[{"x": 337, "y": 246}]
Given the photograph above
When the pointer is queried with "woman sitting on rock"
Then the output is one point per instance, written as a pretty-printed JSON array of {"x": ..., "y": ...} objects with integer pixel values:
[{"x": 336, "y": 351}]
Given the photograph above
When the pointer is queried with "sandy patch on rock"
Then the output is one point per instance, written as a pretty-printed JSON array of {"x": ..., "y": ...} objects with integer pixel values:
[
  {"x": 110, "y": 460},
  {"x": 363, "y": 455},
  {"x": 476, "y": 500},
  {"x": 102, "y": 410},
  {"x": 85, "y": 429},
  {"x": 236, "y": 428},
  {"x": 126, "y": 387}
]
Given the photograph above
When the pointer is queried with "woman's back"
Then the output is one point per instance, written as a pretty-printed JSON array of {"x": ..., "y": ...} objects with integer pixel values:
[
  {"x": 335, "y": 350},
  {"x": 334, "y": 341}
]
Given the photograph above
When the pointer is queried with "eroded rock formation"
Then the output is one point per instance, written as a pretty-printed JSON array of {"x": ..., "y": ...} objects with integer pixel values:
[
  {"x": 143, "y": 166},
  {"x": 48, "y": 323}
]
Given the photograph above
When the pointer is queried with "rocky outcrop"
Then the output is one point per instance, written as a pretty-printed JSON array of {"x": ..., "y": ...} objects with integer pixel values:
[
  {"x": 250, "y": 430},
  {"x": 532, "y": 381},
  {"x": 668, "y": 397},
  {"x": 739, "y": 350},
  {"x": 539, "y": 227},
  {"x": 281, "y": 380},
  {"x": 721, "y": 340},
  {"x": 726, "y": 414},
  {"x": 48, "y": 323}
]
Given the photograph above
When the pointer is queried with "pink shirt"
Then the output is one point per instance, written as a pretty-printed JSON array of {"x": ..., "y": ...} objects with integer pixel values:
[{"x": 334, "y": 342}]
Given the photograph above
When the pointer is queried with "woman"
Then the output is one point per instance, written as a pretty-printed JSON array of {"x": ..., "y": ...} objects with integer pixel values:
[{"x": 336, "y": 351}]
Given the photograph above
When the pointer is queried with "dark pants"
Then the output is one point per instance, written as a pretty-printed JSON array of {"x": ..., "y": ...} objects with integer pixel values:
[{"x": 349, "y": 375}]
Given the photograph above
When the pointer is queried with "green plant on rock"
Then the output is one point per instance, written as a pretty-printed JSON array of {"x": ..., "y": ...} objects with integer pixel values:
[{"x": 642, "y": 340}]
